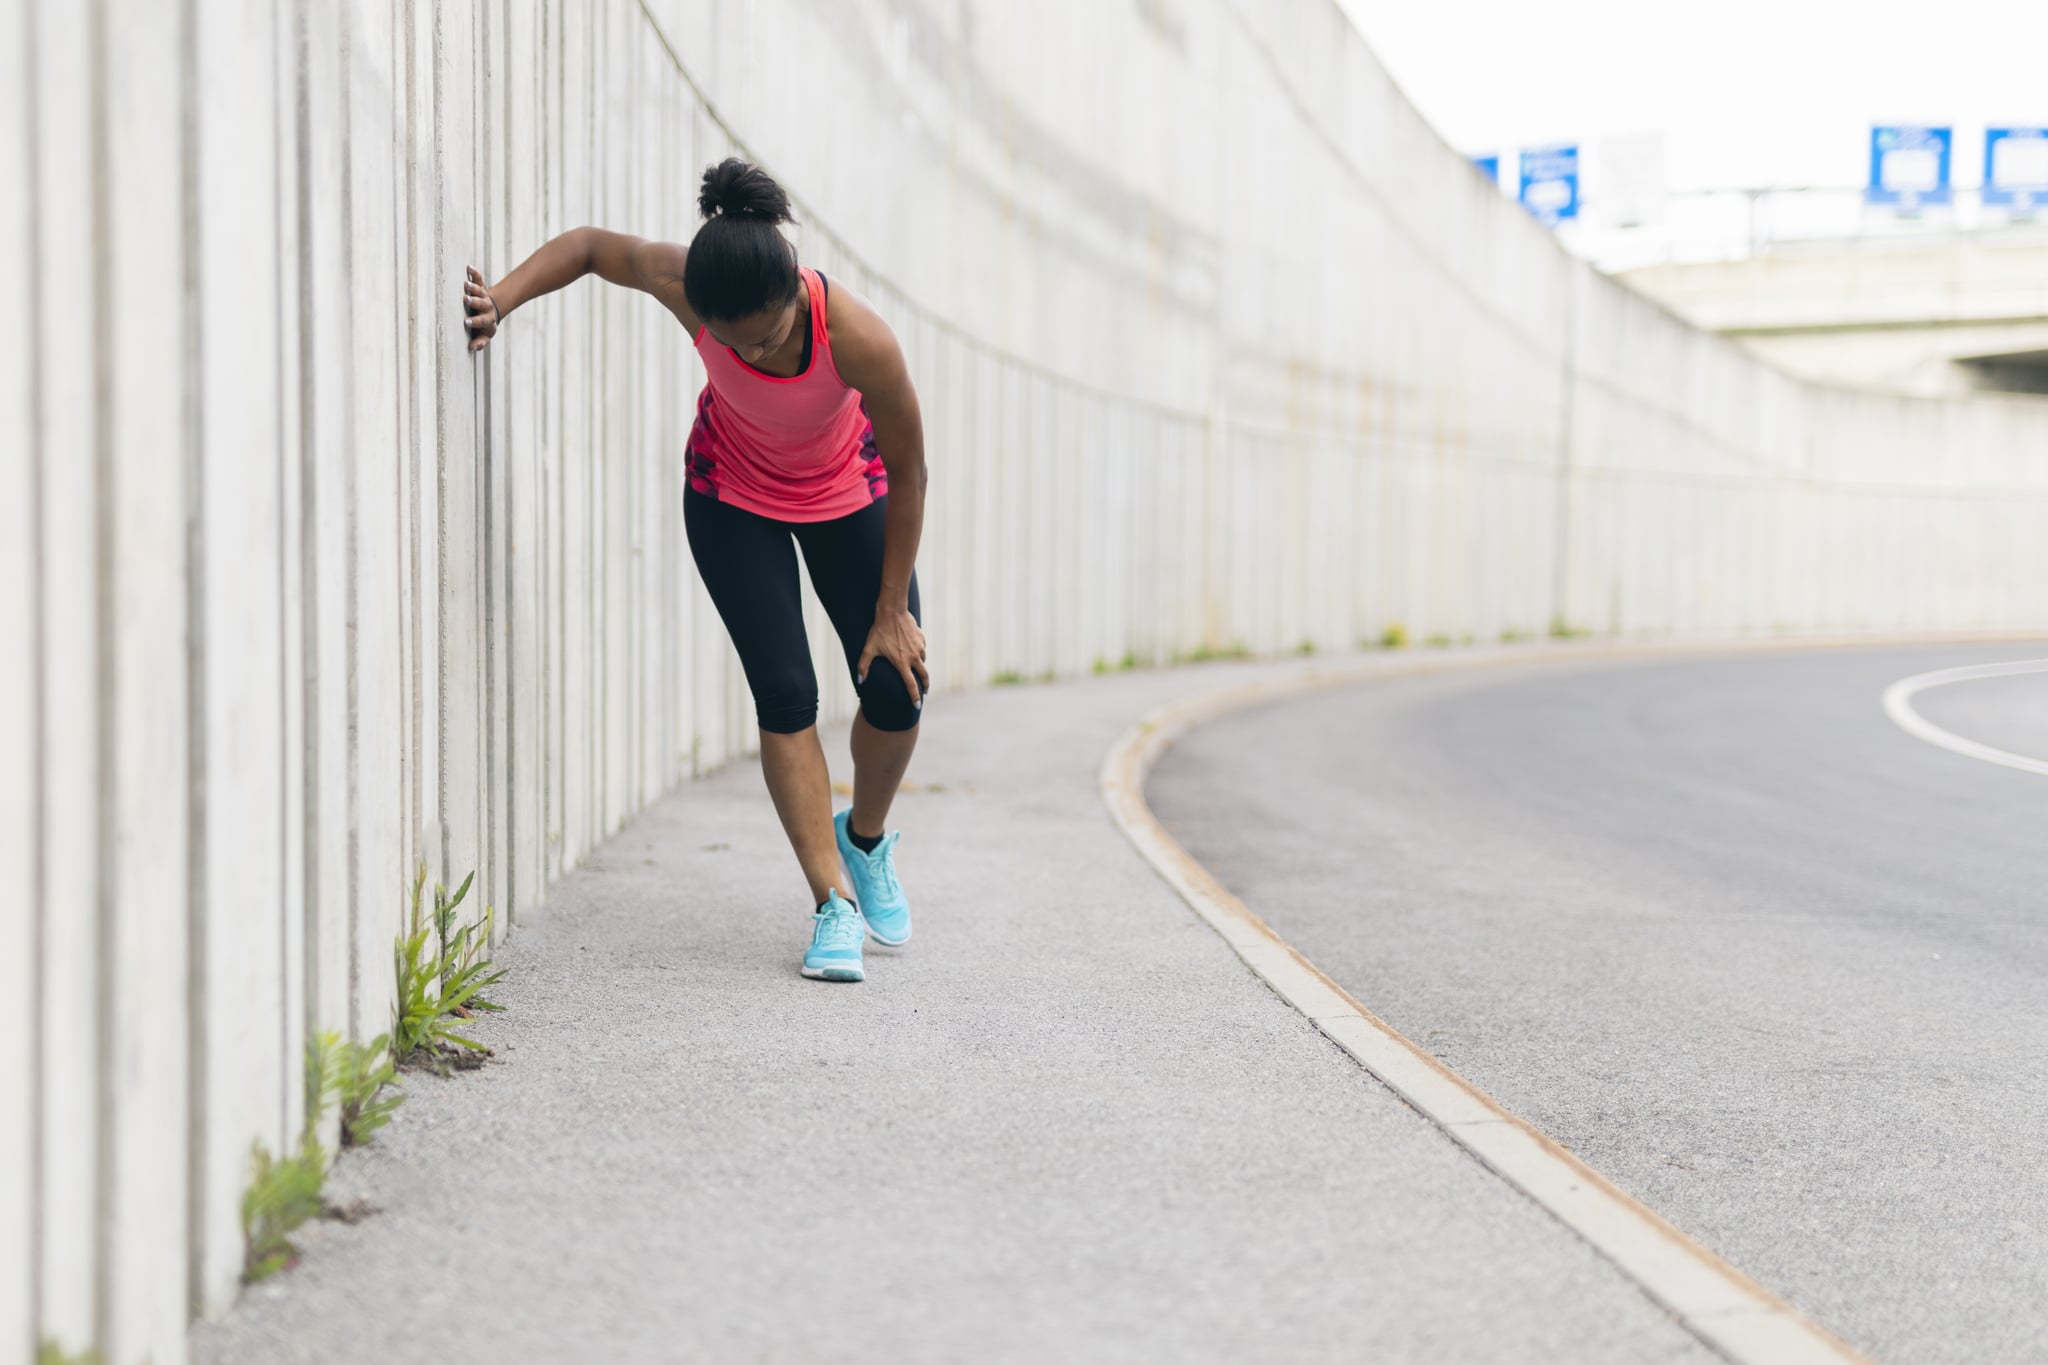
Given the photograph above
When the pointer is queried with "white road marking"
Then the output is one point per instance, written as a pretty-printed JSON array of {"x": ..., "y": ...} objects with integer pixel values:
[
  {"x": 1735, "y": 1316},
  {"x": 1898, "y": 704}
]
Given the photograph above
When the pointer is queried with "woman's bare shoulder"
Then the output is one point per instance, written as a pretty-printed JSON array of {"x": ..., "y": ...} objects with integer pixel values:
[
  {"x": 658, "y": 266},
  {"x": 858, "y": 332}
]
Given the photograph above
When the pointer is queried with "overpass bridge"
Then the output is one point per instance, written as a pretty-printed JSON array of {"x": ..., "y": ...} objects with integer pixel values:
[{"x": 1934, "y": 315}]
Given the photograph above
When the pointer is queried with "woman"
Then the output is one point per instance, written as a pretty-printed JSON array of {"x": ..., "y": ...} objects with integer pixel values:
[{"x": 807, "y": 434}]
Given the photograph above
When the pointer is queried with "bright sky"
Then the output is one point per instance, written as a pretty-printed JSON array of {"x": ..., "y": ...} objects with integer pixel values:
[{"x": 1748, "y": 92}]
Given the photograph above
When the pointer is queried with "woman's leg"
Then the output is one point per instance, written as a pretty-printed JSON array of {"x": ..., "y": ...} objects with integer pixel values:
[
  {"x": 748, "y": 566},
  {"x": 844, "y": 559},
  {"x": 880, "y": 758},
  {"x": 800, "y": 784}
]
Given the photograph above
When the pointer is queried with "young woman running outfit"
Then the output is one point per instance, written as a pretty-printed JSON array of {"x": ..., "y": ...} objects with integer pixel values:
[{"x": 775, "y": 463}]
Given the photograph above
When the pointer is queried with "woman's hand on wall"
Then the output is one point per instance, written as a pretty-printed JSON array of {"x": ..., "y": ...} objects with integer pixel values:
[{"x": 481, "y": 310}]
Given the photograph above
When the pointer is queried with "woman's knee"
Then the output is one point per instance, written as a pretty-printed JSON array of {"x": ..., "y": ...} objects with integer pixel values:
[{"x": 885, "y": 701}]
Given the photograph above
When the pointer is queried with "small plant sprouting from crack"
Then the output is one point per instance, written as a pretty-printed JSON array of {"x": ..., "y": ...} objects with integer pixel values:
[
  {"x": 284, "y": 1195},
  {"x": 437, "y": 990},
  {"x": 1203, "y": 654},
  {"x": 353, "y": 1078},
  {"x": 51, "y": 1353}
]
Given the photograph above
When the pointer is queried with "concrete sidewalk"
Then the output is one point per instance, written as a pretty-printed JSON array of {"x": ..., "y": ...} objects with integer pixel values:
[{"x": 1064, "y": 1124}]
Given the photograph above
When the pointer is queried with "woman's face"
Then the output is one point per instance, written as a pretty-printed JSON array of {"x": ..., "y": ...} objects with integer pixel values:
[{"x": 756, "y": 338}]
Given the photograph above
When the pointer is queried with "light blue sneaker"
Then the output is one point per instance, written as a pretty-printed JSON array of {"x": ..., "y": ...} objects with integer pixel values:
[
  {"x": 882, "y": 903},
  {"x": 835, "y": 942}
]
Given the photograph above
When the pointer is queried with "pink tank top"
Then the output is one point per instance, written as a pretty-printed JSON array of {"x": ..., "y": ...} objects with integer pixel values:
[{"x": 795, "y": 449}]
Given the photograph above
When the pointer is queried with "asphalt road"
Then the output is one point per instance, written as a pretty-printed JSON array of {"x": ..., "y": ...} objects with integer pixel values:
[{"x": 1714, "y": 922}]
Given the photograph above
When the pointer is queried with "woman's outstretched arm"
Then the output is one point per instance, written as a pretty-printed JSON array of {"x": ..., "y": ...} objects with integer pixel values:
[{"x": 652, "y": 267}]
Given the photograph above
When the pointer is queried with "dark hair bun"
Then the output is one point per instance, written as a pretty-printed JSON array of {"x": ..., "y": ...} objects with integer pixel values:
[
  {"x": 739, "y": 262},
  {"x": 740, "y": 189}
]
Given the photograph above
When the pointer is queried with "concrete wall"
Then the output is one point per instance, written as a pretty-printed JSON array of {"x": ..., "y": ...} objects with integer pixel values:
[
  {"x": 1218, "y": 344},
  {"x": 302, "y": 595}
]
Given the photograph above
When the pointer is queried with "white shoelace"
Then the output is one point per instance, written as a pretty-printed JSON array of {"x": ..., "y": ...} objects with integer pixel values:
[{"x": 838, "y": 928}]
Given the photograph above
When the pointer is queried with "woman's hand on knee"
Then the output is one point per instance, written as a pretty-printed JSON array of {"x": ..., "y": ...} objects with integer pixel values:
[{"x": 897, "y": 637}]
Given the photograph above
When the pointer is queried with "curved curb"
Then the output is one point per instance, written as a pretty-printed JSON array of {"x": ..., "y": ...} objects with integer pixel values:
[
  {"x": 1717, "y": 1303},
  {"x": 1898, "y": 704}
]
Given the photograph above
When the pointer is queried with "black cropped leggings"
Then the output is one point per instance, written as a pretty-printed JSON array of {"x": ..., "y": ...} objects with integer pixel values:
[{"x": 748, "y": 565}]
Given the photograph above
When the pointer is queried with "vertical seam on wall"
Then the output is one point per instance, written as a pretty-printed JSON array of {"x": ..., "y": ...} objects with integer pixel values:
[
  {"x": 351, "y": 549},
  {"x": 671, "y": 570},
  {"x": 106, "y": 767},
  {"x": 442, "y": 597},
  {"x": 408, "y": 493},
  {"x": 619, "y": 68},
  {"x": 512, "y": 770},
  {"x": 598, "y": 792},
  {"x": 596, "y": 356},
  {"x": 39, "y": 641},
  {"x": 1561, "y": 570},
  {"x": 284, "y": 1079},
  {"x": 550, "y": 509},
  {"x": 480, "y": 373},
  {"x": 401, "y": 542},
  {"x": 636, "y": 501},
  {"x": 478, "y": 707},
  {"x": 313, "y": 731},
  {"x": 197, "y": 1071}
]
